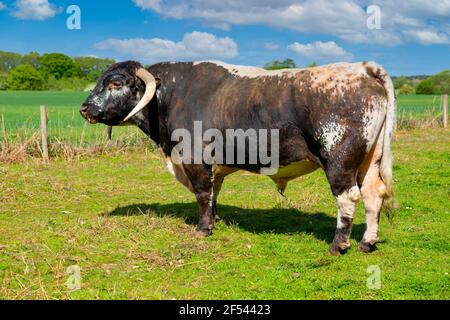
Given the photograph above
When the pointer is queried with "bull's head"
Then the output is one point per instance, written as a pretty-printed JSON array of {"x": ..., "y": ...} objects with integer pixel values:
[{"x": 122, "y": 91}]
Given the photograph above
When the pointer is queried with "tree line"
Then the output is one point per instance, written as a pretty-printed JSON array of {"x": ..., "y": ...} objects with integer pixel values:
[
  {"x": 59, "y": 72},
  {"x": 436, "y": 84},
  {"x": 50, "y": 71}
]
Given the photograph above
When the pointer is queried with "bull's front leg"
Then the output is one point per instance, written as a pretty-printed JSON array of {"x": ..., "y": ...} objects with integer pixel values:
[{"x": 201, "y": 180}]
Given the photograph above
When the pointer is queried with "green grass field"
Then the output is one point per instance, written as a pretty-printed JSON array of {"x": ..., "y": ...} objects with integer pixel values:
[
  {"x": 22, "y": 117},
  {"x": 129, "y": 226},
  {"x": 21, "y": 111}
]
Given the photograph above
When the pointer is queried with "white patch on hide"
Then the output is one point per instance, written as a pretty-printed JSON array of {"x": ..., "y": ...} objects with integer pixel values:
[
  {"x": 331, "y": 134},
  {"x": 346, "y": 203}
]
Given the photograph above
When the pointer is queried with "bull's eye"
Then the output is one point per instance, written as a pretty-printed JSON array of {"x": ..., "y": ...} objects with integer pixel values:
[{"x": 115, "y": 85}]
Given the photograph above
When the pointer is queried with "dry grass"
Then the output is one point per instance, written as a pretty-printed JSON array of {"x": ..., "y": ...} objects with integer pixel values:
[
  {"x": 30, "y": 148},
  {"x": 409, "y": 121},
  {"x": 25, "y": 144}
]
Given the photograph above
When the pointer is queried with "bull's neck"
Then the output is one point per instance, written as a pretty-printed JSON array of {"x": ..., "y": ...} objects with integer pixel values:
[
  {"x": 174, "y": 80},
  {"x": 148, "y": 120}
]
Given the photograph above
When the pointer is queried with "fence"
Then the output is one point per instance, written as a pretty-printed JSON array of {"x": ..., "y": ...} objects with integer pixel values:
[{"x": 63, "y": 137}]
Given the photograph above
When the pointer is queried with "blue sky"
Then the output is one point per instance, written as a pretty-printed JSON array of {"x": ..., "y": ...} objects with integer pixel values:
[{"x": 414, "y": 35}]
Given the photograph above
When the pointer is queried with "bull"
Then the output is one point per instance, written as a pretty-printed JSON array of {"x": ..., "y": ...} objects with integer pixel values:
[{"x": 339, "y": 118}]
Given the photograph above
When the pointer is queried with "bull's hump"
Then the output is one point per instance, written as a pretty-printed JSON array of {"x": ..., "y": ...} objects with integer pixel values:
[{"x": 251, "y": 72}]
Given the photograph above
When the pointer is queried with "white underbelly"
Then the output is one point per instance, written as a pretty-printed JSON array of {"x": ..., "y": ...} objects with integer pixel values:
[{"x": 295, "y": 170}]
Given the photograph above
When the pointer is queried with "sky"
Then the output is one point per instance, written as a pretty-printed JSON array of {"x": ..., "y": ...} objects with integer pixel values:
[{"x": 407, "y": 37}]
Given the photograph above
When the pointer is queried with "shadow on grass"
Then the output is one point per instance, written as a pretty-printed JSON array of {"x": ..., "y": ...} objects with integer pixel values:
[{"x": 278, "y": 221}]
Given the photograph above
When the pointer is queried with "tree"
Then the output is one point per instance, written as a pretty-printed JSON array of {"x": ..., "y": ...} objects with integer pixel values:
[
  {"x": 25, "y": 77},
  {"x": 31, "y": 58},
  {"x": 437, "y": 84},
  {"x": 277, "y": 64},
  {"x": 406, "y": 89},
  {"x": 3, "y": 81},
  {"x": 400, "y": 82},
  {"x": 9, "y": 60},
  {"x": 58, "y": 65},
  {"x": 92, "y": 68},
  {"x": 312, "y": 65}
]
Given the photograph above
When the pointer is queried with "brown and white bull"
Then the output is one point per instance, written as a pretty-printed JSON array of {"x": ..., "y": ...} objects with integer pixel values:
[{"x": 339, "y": 118}]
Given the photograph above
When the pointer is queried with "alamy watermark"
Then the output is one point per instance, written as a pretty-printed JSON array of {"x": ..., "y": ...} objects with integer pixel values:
[
  {"x": 74, "y": 278},
  {"x": 374, "y": 279},
  {"x": 233, "y": 147},
  {"x": 374, "y": 20},
  {"x": 74, "y": 20}
]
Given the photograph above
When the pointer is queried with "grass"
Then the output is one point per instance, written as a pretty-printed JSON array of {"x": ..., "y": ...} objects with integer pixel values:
[
  {"x": 418, "y": 105},
  {"x": 128, "y": 225},
  {"x": 22, "y": 117}
]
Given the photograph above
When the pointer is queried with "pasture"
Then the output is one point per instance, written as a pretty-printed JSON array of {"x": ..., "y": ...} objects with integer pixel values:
[{"x": 128, "y": 225}]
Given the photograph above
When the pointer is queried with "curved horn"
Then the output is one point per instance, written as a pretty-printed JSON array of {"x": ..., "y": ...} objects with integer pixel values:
[{"x": 150, "y": 90}]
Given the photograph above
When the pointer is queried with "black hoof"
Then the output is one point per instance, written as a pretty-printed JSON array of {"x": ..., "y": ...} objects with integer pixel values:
[
  {"x": 336, "y": 250},
  {"x": 366, "y": 247},
  {"x": 202, "y": 232}
]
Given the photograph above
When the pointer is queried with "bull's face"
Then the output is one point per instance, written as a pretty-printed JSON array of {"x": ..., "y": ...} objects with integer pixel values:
[{"x": 122, "y": 91}]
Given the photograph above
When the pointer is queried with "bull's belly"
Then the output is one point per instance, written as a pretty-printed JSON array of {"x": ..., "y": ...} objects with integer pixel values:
[
  {"x": 283, "y": 175},
  {"x": 293, "y": 171}
]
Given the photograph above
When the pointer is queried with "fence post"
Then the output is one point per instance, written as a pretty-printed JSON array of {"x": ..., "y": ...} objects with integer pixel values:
[
  {"x": 44, "y": 137},
  {"x": 5, "y": 136},
  {"x": 445, "y": 110}
]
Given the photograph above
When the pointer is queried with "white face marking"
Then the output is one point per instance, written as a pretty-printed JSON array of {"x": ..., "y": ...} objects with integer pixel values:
[
  {"x": 330, "y": 134},
  {"x": 99, "y": 100},
  {"x": 116, "y": 93}
]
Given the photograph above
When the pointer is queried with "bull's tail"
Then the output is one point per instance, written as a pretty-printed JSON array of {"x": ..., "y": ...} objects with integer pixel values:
[{"x": 389, "y": 128}]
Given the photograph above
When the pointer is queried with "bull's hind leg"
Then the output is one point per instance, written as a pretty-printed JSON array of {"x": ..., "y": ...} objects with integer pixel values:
[
  {"x": 344, "y": 188},
  {"x": 373, "y": 190}
]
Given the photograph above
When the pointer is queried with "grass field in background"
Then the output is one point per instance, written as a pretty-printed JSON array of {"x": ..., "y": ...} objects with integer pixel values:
[
  {"x": 21, "y": 110},
  {"x": 129, "y": 226},
  {"x": 22, "y": 117}
]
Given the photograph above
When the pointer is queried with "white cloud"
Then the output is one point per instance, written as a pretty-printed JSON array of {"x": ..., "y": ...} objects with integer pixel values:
[
  {"x": 345, "y": 19},
  {"x": 321, "y": 51},
  {"x": 2, "y": 6},
  {"x": 271, "y": 46},
  {"x": 194, "y": 46},
  {"x": 34, "y": 10},
  {"x": 428, "y": 37}
]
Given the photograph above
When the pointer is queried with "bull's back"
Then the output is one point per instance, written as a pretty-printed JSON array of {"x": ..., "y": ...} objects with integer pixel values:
[{"x": 306, "y": 98}]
